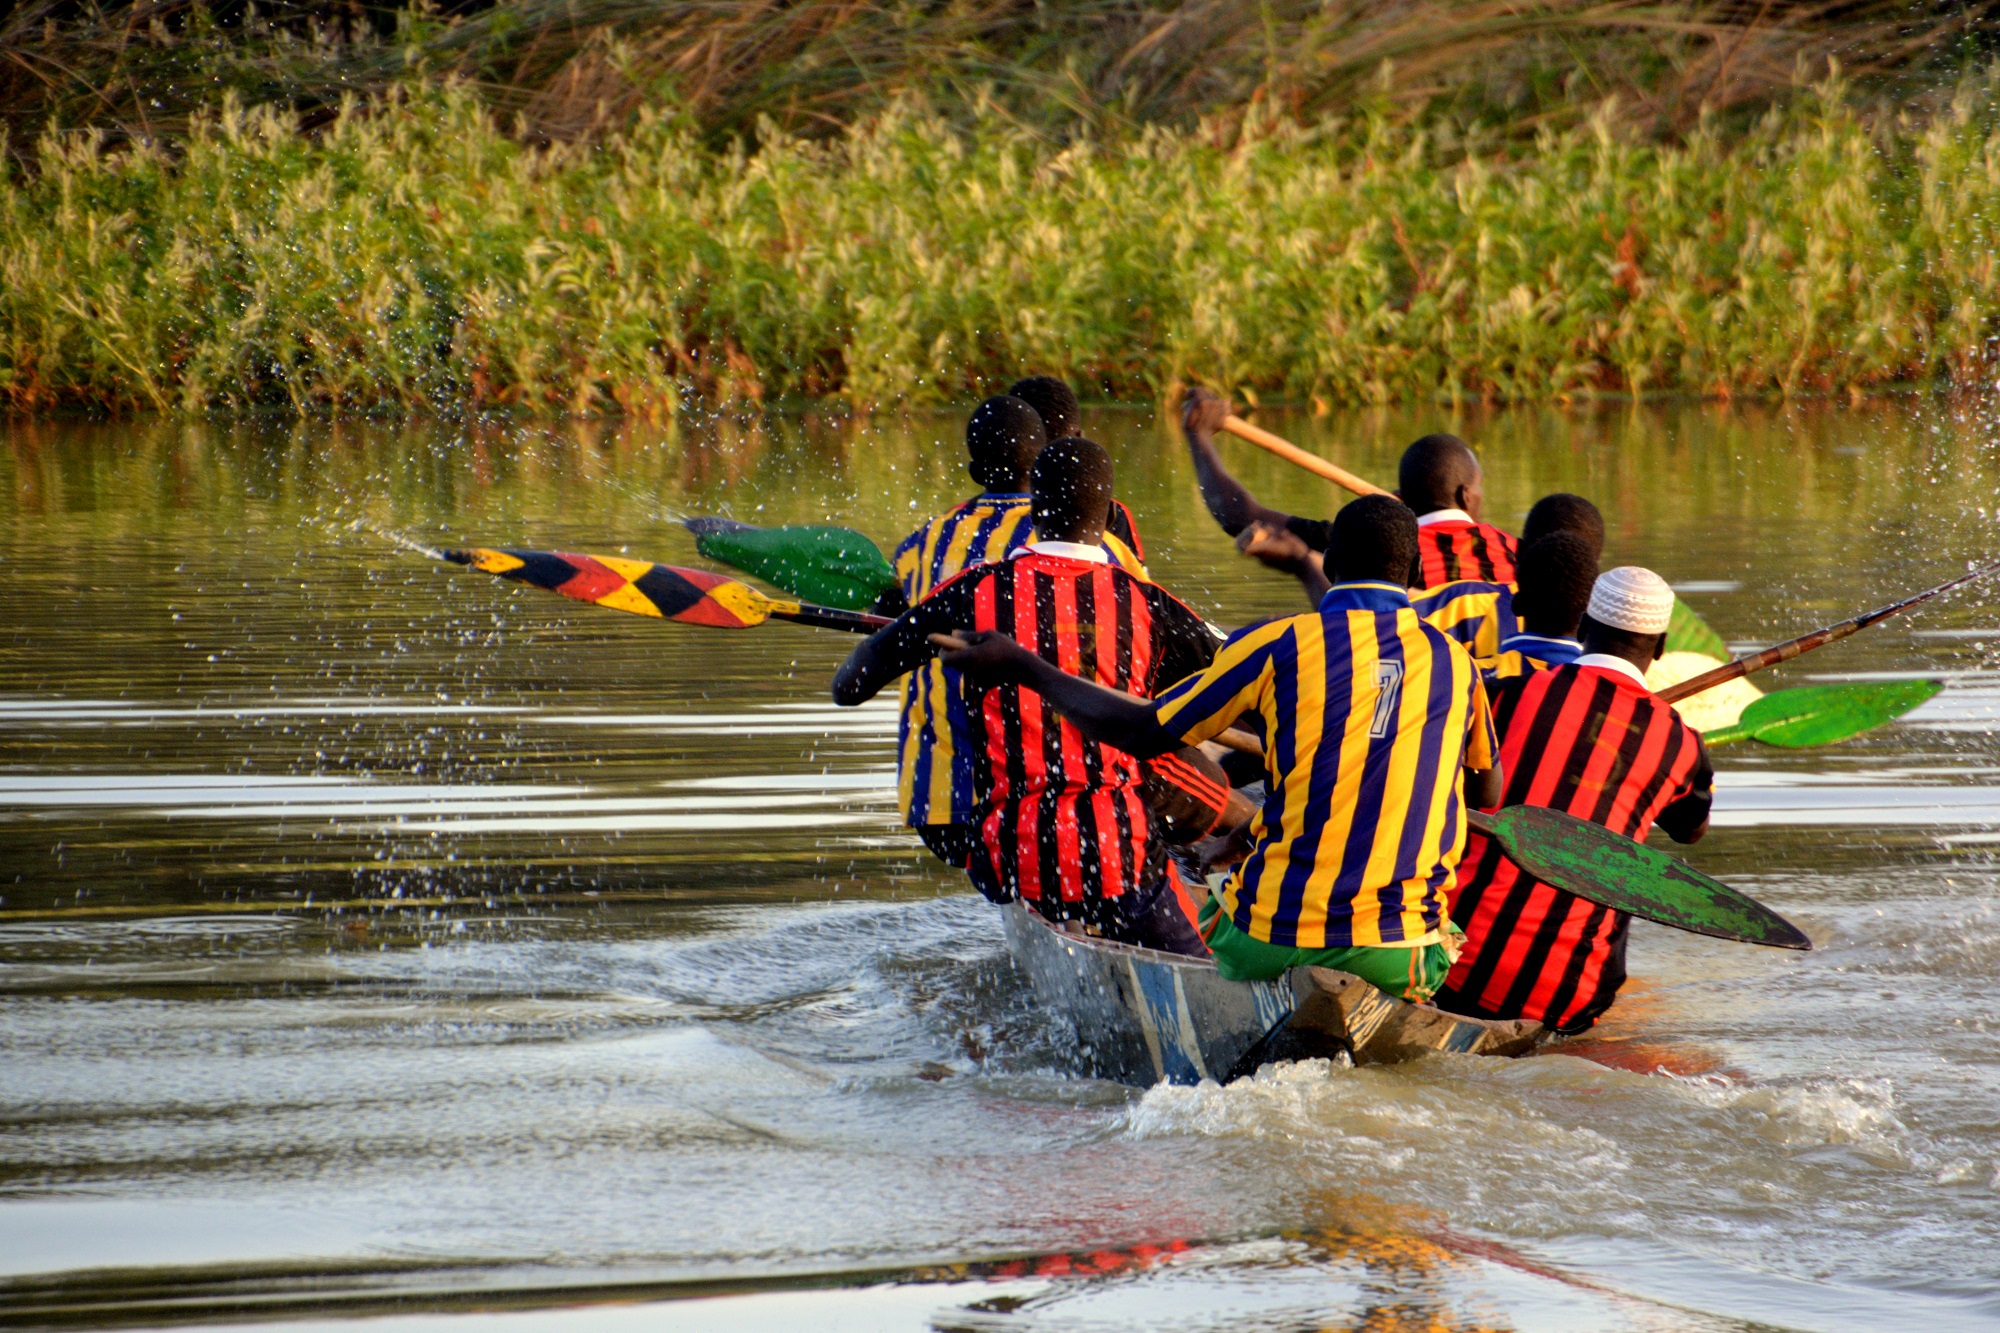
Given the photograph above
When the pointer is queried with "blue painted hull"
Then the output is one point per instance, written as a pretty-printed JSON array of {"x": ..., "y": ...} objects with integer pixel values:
[
  {"x": 1145, "y": 1017},
  {"x": 1142, "y": 1016}
]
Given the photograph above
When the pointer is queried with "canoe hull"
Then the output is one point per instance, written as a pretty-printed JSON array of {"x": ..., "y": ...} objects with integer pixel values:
[{"x": 1144, "y": 1017}]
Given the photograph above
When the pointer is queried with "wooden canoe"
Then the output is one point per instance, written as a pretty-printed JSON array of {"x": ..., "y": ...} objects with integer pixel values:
[{"x": 1141, "y": 1016}]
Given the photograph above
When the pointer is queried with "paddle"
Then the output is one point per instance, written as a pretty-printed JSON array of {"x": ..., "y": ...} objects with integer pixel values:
[
  {"x": 1822, "y": 714},
  {"x": 1603, "y": 867},
  {"x": 1687, "y": 632},
  {"x": 691, "y": 596},
  {"x": 1298, "y": 457},
  {"x": 1819, "y": 638},
  {"x": 1610, "y": 869},
  {"x": 814, "y": 561}
]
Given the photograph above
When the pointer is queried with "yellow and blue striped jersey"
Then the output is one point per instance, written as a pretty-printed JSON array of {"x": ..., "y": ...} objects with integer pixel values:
[
  {"x": 1523, "y": 653},
  {"x": 934, "y": 749},
  {"x": 1369, "y": 714},
  {"x": 1478, "y": 614}
]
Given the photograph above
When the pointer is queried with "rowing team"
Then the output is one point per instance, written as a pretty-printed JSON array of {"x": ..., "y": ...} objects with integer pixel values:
[{"x": 1062, "y": 712}]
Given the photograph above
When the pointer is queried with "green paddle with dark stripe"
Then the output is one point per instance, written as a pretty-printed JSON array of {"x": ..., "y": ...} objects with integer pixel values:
[{"x": 1603, "y": 867}]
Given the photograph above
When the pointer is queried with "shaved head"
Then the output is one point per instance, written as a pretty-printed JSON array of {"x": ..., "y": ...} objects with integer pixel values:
[
  {"x": 1054, "y": 400},
  {"x": 1563, "y": 512},
  {"x": 1002, "y": 436},
  {"x": 1440, "y": 472},
  {"x": 1557, "y": 573},
  {"x": 1374, "y": 541},
  {"x": 1071, "y": 482}
]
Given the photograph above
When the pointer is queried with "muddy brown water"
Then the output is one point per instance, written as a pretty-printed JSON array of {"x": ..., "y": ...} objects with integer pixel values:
[{"x": 379, "y": 941}]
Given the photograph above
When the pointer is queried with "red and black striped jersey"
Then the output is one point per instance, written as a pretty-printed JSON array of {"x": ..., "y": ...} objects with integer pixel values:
[
  {"x": 1451, "y": 545},
  {"x": 1594, "y": 742},
  {"x": 1060, "y": 815},
  {"x": 934, "y": 777},
  {"x": 1122, "y": 526}
]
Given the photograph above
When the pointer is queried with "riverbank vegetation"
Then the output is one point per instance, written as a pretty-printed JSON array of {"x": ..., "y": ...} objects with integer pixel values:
[
  {"x": 436, "y": 243},
  {"x": 569, "y": 69}
]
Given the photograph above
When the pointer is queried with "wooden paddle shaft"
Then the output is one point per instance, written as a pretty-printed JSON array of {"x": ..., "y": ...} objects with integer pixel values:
[
  {"x": 1805, "y": 643},
  {"x": 1240, "y": 741},
  {"x": 1291, "y": 453}
]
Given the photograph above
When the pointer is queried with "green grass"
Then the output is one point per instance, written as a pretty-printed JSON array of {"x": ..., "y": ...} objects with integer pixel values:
[{"x": 413, "y": 255}]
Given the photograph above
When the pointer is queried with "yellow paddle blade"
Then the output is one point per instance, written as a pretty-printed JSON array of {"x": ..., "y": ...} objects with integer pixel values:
[{"x": 1711, "y": 710}]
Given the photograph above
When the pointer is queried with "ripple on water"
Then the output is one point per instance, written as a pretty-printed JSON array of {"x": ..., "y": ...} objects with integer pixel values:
[
  {"x": 221, "y": 711},
  {"x": 1542, "y": 1145}
]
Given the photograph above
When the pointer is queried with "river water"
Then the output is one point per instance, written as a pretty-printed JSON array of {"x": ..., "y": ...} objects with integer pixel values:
[{"x": 379, "y": 940}]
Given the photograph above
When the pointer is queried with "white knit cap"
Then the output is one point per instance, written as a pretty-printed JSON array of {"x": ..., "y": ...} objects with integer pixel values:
[{"x": 1632, "y": 598}]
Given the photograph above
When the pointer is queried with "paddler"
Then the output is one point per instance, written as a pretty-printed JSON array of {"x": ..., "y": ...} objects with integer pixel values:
[
  {"x": 1061, "y": 820},
  {"x": 1003, "y": 437},
  {"x": 1062, "y": 416},
  {"x": 1556, "y": 574},
  {"x": 1438, "y": 478},
  {"x": 1370, "y": 716},
  {"x": 1589, "y": 738},
  {"x": 1476, "y": 612},
  {"x": 1480, "y": 613}
]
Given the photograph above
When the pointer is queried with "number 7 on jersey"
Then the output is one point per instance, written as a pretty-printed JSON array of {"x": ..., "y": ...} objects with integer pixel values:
[{"x": 1389, "y": 687}]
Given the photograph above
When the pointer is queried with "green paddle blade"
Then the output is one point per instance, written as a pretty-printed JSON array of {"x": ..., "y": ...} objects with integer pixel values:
[
  {"x": 1689, "y": 633},
  {"x": 1823, "y": 714},
  {"x": 813, "y": 562},
  {"x": 1594, "y": 863}
]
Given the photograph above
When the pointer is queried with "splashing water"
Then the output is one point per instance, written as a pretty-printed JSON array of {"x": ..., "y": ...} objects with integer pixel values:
[{"x": 361, "y": 920}]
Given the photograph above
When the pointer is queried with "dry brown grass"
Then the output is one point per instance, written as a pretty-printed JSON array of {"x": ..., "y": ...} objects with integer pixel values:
[{"x": 575, "y": 68}]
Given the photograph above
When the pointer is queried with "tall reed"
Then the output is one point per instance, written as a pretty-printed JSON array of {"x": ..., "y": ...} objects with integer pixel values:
[
  {"x": 412, "y": 255},
  {"x": 564, "y": 69}
]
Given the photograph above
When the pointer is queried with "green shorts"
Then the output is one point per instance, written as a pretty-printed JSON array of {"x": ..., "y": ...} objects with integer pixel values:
[{"x": 1408, "y": 973}]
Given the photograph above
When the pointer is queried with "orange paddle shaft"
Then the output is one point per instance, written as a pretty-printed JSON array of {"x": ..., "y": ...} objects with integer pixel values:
[{"x": 1291, "y": 453}]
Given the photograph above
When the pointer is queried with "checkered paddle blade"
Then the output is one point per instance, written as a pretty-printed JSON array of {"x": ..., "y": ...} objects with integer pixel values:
[{"x": 640, "y": 587}]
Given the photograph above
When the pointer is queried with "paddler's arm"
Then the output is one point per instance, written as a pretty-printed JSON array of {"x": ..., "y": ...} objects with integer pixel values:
[
  {"x": 881, "y": 658},
  {"x": 1485, "y": 788},
  {"x": 1485, "y": 779},
  {"x": 1279, "y": 548},
  {"x": 1202, "y": 413},
  {"x": 1104, "y": 715},
  {"x": 899, "y": 647},
  {"x": 1685, "y": 818}
]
